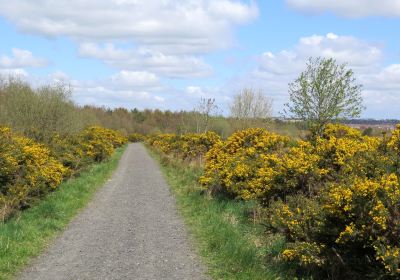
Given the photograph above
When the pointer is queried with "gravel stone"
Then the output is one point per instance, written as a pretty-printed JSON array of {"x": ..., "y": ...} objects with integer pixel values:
[{"x": 130, "y": 230}]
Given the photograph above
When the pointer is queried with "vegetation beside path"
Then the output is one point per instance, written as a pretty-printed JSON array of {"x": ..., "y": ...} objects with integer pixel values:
[
  {"x": 231, "y": 246},
  {"x": 28, "y": 233}
]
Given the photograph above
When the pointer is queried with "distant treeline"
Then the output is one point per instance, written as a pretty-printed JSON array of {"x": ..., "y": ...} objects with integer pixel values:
[
  {"x": 372, "y": 121},
  {"x": 39, "y": 113}
]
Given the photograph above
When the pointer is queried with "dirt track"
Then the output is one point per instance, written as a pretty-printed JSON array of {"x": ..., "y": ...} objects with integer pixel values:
[{"x": 130, "y": 230}]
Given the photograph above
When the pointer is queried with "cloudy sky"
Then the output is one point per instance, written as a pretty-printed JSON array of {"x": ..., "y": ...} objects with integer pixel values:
[{"x": 168, "y": 54}]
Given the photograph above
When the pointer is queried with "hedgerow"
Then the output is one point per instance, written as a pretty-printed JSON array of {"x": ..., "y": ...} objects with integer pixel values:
[
  {"x": 136, "y": 137},
  {"x": 29, "y": 170},
  {"x": 99, "y": 143},
  {"x": 189, "y": 146},
  {"x": 334, "y": 198},
  {"x": 243, "y": 165}
]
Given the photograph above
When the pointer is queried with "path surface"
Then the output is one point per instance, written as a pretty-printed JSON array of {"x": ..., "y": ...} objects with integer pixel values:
[{"x": 130, "y": 230}]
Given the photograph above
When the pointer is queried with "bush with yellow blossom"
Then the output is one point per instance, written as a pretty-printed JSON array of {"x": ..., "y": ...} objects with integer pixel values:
[
  {"x": 347, "y": 226},
  {"x": 244, "y": 165},
  {"x": 163, "y": 142},
  {"x": 190, "y": 146},
  {"x": 27, "y": 171},
  {"x": 98, "y": 143},
  {"x": 335, "y": 198},
  {"x": 195, "y": 145},
  {"x": 136, "y": 137},
  {"x": 392, "y": 148}
]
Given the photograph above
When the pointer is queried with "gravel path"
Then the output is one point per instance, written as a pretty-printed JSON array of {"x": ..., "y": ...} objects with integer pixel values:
[{"x": 130, "y": 230}]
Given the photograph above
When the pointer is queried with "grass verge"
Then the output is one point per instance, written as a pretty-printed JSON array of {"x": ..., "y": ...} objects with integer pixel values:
[
  {"x": 231, "y": 246},
  {"x": 28, "y": 234}
]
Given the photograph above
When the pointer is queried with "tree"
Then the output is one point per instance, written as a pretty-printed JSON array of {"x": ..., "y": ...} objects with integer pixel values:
[
  {"x": 324, "y": 92},
  {"x": 39, "y": 113},
  {"x": 203, "y": 112},
  {"x": 250, "y": 107}
]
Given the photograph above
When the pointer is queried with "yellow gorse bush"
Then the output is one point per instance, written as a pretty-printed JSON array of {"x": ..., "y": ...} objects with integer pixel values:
[
  {"x": 136, "y": 137},
  {"x": 348, "y": 215},
  {"x": 369, "y": 209},
  {"x": 191, "y": 146},
  {"x": 393, "y": 149},
  {"x": 244, "y": 164},
  {"x": 335, "y": 198},
  {"x": 394, "y": 141},
  {"x": 99, "y": 143},
  {"x": 29, "y": 170},
  {"x": 69, "y": 151},
  {"x": 163, "y": 142}
]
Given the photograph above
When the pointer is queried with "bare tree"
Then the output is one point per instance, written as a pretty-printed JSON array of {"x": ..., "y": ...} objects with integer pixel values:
[
  {"x": 251, "y": 107},
  {"x": 203, "y": 112}
]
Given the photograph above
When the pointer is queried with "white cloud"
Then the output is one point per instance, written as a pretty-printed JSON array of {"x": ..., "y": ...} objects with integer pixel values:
[
  {"x": 127, "y": 89},
  {"x": 196, "y": 91},
  {"x": 13, "y": 72},
  {"x": 21, "y": 59},
  {"x": 170, "y": 66},
  {"x": 135, "y": 78},
  {"x": 103, "y": 96},
  {"x": 122, "y": 89},
  {"x": 276, "y": 70},
  {"x": 167, "y": 38},
  {"x": 59, "y": 76},
  {"x": 159, "y": 98},
  {"x": 168, "y": 26},
  {"x": 382, "y": 91},
  {"x": 346, "y": 49},
  {"x": 108, "y": 93},
  {"x": 234, "y": 11},
  {"x": 381, "y": 83},
  {"x": 349, "y": 8},
  {"x": 388, "y": 77}
]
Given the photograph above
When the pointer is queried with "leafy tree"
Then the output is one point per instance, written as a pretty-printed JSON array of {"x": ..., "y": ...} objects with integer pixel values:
[{"x": 323, "y": 93}]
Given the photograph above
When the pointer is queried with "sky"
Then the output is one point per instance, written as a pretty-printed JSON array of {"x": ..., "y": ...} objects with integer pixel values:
[{"x": 168, "y": 54}]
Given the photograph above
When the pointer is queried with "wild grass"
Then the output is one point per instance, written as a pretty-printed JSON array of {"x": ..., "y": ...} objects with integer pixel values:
[
  {"x": 27, "y": 234},
  {"x": 231, "y": 245}
]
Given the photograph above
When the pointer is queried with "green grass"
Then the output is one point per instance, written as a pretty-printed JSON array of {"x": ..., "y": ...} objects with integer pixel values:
[
  {"x": 29, "y": 233},
  {"x": 231, "y": 245}
]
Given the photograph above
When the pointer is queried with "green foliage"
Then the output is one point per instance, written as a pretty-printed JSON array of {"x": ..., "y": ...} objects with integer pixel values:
[
  {"x": 368, "y": 131},
  {"x": 40, "y": 113},
  {"x": 323, "y": 93}
]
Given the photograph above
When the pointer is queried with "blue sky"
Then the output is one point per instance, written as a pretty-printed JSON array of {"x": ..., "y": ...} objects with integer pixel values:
[{"x": 168, "y": 54}]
